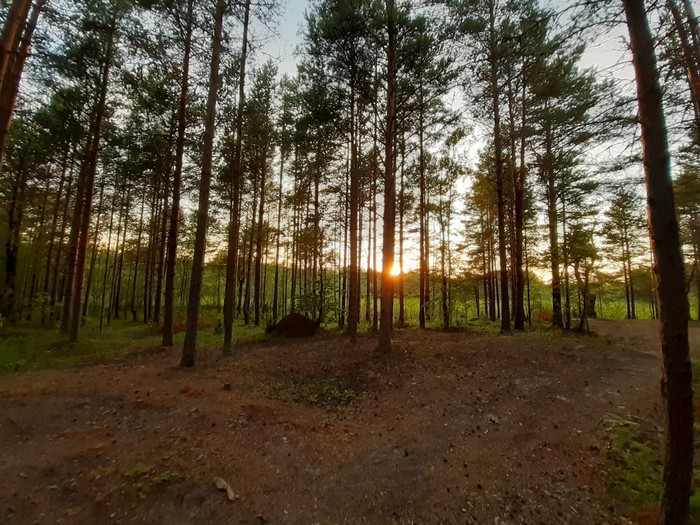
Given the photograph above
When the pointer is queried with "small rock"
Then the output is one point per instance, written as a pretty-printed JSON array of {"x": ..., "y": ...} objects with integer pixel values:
[{"x": 222, "y": 484}]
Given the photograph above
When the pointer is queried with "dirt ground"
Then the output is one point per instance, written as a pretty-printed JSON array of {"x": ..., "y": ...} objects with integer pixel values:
[{"x": 451, "y": 428}]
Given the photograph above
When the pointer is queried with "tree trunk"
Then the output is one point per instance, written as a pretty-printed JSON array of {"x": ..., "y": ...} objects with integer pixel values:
[
  {"x": 91, "y": 268},
  {"x": 236, "y": 170},
  {"x": 422, "y": 216},
  {"x": 90, "y": 172},
  {"x": 387, "y": 309},
  {"x": 171, "y": 260},
  {"x": 200, "y": 245},
  {"x": 11, "y": 34},
  {"x": 259, "y": 240},
  {"x": 354, "y": 288},
  {"x": 107, "y": 261},
  {"x": 677, "y": 384},
  {"x": 519, "y": 193},
  {"x": 402, "y": 306},
  {"x": 137, "y": 257},
  {"x": 500, "y": 176},
  {"x": 52, "y": 235},
  {"x": 373, "y": 244},
  {"x": 278, "y": 235},
  {"x": 57, "y": 289},
  {"x": 565, "y": 250},
  {"x": 16, "y": 206},
  {"x": 690, "y": 54},
  {"x": 11, "y": 67},
  {"x": 553, "y": 223}
]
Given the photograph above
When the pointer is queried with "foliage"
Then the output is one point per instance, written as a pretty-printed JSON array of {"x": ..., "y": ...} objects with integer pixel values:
[
  {"x": 29, "y": 348},
  {"x": 328, "y": 394},
  {"x": 633, "y": 462}
]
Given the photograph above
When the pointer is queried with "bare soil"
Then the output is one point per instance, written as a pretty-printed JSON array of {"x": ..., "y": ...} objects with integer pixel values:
[{"x": 450, "y": 428}]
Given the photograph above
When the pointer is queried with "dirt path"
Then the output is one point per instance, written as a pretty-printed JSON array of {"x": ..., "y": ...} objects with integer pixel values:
[{"x": 452, "y": 428}]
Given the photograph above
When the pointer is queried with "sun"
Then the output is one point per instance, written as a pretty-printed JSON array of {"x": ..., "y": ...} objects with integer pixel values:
[{"x": 396, "y": 270}]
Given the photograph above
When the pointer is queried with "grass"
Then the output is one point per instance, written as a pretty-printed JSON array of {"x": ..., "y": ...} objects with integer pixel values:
[
  {"x": 28, "y": 348},
  {"x": 327, "y": 394},
  {"x": 23, "y": 349},
  {"x": 633, "y": 461},
  {"x": 144, "y": 478}
]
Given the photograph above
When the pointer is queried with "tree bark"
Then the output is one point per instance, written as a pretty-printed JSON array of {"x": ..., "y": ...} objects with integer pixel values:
[
  {"x": 257, "y": 300},
  {"x": 387, "y": 308},
  {"x": 11, "y": 33},
  {"x": 673, "y": 304},
  {"x": 11, "y": 67},
  {"x": 354, "y": 285},
  {"x": 200, "y": 245},
  {"x": 236, "y": 170},
  {"x": 519, "y": 193},
  {"x": 86, "y": 208},
  {"x": 171, "y": 260},
  {"x": 500, "y": 176},
  {"x": 15, "y": 212}
]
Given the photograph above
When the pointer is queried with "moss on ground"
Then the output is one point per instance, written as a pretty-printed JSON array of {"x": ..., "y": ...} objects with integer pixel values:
[{"x": 633, "y": 462}]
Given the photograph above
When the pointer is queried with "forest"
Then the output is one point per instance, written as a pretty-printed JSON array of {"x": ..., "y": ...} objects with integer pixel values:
[{"x": 520, "y": 172}]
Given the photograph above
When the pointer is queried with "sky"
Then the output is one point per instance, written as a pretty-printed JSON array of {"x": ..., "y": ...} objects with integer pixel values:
[
  {"x": 606, "y": 52},
  {"x": 282, "y": 47}
]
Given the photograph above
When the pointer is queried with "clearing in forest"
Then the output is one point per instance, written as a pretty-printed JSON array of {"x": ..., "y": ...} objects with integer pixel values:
[{"x": 451, "y": 428}]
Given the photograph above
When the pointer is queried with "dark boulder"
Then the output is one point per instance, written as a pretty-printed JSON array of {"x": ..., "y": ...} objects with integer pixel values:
[{"x": 294, "y": 326}]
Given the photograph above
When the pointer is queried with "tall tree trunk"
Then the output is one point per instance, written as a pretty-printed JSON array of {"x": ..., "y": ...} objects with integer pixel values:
[
  {"x": 387, "y": 309},
  {"x": 565, "y": 250},
  {"x": 375, "y": 273},
  {"x": 249, "y": 257},
  {"x": 443, "y": 271},
  {"x": 422, "y": 215},
  {"x": 500, "y": 175},
  {"x": 344, "y": 285},
  {"x": 126, "y": 206},
  {"x": 200, "y": 245},
  {"x": 236, "y": 173},
  {"x": 690, "y": 54},
  {"x": 11, "y": 35},
  {"x": 354, "y": 291},
  {"x": 14, "y": 47},
  {"x": 16, "y": 208},
  {"x": 278, "y": 235},
  {"x": 57, "y": 289},
  {"x": 677, "y": 384},
  {"x": 259, "y": 240},
  {"x": 171, "y": 260},
  {"x": 39, "y": 242},
  {"x": 402, "y": 305},
  {"x": 519, "y": 193},
  {"x": 369, "y": 272},
  {"x": 96, "y": 233},
  {"x": 553, "y": 223},
  {"x": 52, "y": 235},
  {"x": 108, "y": 253},
  {"x": 137, "y": 256},
  {"x": 160, "y": 261},
  {"x": 91, "y": 171},
  {"x": 11, "y": 67}
]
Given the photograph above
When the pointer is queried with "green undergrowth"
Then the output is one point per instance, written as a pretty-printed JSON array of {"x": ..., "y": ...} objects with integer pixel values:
[
  {"x": 24, "y": 349},
  {"x": 633, "y": 462},
  {"x": 28, "y": 348},
  {"x": 141, "y": 480},
  {"x": 324, "y": 393}
]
